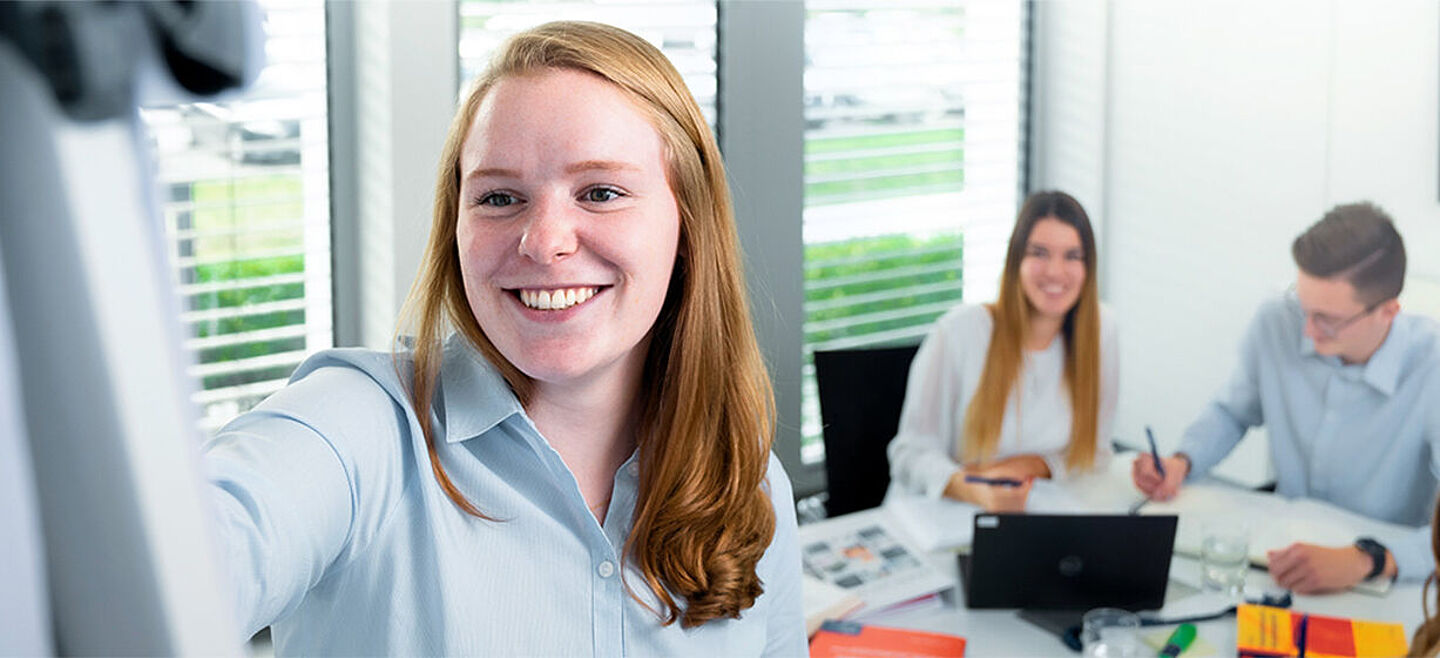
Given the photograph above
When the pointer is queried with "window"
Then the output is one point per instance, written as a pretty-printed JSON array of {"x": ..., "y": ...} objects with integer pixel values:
[
  {"x": 244, "y": 194},
  {"x": 682, "y": 29},
  {"x": 913, "y": 136},
  {"x": 912, "y": 157}
]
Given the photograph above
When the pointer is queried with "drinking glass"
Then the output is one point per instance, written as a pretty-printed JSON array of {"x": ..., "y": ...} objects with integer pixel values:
[
  {"x": 1225, "y": 557},
  {"x": 1110, "y": 633}
]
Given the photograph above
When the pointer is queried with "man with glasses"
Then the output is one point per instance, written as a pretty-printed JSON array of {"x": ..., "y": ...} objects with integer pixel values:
[{"x": 1349, "y": 389}]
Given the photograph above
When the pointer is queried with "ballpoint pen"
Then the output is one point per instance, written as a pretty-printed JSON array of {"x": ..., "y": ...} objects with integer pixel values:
[
  {"x": 994, "y": 482},
  {"x": 1154, "y": 452}
]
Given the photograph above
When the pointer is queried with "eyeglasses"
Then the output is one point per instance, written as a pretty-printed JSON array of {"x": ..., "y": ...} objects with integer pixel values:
[{"x": 1329, "y": 327}]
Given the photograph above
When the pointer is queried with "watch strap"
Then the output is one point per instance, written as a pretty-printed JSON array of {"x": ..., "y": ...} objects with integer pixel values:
[{"x": 1377, "y": 553}]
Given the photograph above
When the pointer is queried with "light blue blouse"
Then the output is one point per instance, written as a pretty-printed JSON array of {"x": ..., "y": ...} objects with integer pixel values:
[
  {"x": 1365, "y": 436},
  {"x": 337, "y": 534}
]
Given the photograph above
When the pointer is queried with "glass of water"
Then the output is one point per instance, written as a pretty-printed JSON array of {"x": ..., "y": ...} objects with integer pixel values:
[
  {"x": 1110, "y": 633},
  {"x": 1225, "y": 557}
]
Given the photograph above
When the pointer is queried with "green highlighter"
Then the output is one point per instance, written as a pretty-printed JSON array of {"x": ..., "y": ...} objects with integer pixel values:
[{"x": 1178, "y": 641}]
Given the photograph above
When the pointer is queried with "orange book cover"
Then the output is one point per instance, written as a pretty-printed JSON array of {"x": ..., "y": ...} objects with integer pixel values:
[
  {"x": 1265, "y": 631},
  {"x": 848, "y": 639}
]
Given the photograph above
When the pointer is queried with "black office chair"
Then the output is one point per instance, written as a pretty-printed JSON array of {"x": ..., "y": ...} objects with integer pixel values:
[{"x": 861, "y": 392}]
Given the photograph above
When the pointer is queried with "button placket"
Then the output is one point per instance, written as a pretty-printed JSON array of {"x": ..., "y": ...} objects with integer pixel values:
[{"x": 1339, "y": 392}]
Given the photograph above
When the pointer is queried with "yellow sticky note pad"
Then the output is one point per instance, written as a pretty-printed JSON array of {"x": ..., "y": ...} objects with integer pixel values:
[
  {"x": 1266, "y": 630},
  {"x": 1198, "y": 648},
  {"x": 1379, "y": 639}
]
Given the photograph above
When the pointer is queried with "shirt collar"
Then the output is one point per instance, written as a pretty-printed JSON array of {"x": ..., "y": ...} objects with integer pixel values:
[
  {"x": 1382, "y": 371},
  {"x": 476, "y": 397}
]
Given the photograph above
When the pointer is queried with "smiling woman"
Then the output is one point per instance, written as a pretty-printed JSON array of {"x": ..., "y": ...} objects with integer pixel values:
[
  {"x": 578, "y": 430},
  {"x": 564, "y": 188},
  {"x": 1022, "y": 388}
]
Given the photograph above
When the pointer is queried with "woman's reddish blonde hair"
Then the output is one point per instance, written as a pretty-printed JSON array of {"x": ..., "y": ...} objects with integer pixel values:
[
  {"x": 703, "y": 518},
  {"x": 1426, "y": 641}
]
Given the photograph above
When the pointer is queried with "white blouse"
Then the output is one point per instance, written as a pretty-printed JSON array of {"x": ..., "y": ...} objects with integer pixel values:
[{"x": 927, "y": 449}]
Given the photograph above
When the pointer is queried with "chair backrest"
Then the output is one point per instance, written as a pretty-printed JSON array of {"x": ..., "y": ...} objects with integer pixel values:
[{"x": 861, "y": 392}]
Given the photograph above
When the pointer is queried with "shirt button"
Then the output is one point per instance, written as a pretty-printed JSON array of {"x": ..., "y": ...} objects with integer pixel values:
[
  {"x": 606, "y": 569},
  {"x": 633, "y": 469}
]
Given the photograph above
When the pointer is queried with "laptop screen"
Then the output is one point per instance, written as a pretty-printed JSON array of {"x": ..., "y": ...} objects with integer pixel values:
[{"x": 1042, "y": 561}]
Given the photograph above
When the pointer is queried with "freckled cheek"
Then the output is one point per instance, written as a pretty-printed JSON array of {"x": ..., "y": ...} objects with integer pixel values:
[
  {"x": 469, "y": 260},
  {"x": 647, "y": 251},
  {"x": 478, "y": 245},
  {"x": 480, "y": 253}
]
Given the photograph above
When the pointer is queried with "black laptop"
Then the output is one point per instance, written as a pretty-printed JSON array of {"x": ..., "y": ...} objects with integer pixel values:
[{"x": 1074, "y": 562}]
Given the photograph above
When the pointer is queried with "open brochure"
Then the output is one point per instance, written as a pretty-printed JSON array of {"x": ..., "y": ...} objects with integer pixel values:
[
  {"x": 1273, "y": 522},
  {"x": 863, "y": 555},
  {"x": 823, "y": 601}
]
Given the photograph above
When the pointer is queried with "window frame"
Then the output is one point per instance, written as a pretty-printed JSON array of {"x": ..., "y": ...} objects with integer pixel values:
[{"x": 760, "y": 125}]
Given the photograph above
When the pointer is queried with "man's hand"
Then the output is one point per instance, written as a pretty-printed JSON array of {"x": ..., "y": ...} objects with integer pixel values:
[
  {"x": 1311, "y": 569},
  {"x": 1149, "y": 481}
]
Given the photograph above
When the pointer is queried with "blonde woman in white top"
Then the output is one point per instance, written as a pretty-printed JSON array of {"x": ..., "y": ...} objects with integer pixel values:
[{"x": 1003, "y": 393}]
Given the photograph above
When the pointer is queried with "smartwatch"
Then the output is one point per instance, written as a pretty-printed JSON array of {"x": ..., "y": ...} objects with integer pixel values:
[{"x": 1376, "y": 551}]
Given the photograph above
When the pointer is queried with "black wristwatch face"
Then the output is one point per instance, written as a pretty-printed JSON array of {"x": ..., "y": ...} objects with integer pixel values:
[{"x": 1377, "y": 555}]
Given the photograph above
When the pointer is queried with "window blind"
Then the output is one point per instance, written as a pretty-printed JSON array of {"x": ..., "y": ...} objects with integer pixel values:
[
  {"x": 244, "y": 194},
  {"x": 913, "y": 113},
  {"x": 682, "y": 29}
]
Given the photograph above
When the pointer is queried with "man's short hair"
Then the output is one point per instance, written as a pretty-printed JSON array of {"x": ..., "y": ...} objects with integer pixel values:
[{"x": 1358, "y": 242}]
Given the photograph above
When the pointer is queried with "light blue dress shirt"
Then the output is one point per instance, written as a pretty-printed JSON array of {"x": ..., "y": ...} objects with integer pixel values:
[
  {"x": 1365, "y": 436},
  {"x": 337, "y": 534}
]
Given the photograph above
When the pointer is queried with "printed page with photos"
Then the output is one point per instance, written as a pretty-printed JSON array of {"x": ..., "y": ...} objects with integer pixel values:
[{"x": 863, "y": 554}]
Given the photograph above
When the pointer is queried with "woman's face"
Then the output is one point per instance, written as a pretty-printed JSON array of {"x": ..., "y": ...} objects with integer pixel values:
[
  {"x": 567, "y": 228},
  {"x": 1052, "y": 272}
]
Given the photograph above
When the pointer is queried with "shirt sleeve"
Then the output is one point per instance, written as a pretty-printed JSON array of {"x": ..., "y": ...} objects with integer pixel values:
[
  {"x": 1414, "y": 555},
  {"x": 920, "y": 454},
  {"x": 1233, "y": 411},
  {"x": 285, "y": 486},
  {"x": 785, "y": 626}
]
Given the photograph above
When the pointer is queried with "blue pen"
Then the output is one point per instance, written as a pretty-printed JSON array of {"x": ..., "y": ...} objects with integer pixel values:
[
  {"x": 994, "y": 482},
  {"x": 1154, "y": 452}
]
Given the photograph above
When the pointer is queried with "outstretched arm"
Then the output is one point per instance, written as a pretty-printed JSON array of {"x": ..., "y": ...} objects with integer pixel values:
[{"x": 285, "y": 487}]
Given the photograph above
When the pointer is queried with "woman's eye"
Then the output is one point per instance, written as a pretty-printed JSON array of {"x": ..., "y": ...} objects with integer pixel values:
[
  {"x": 496, "y": 200},
  {"x": 1075, "y": 255},
  {"x": 601, "y": 194}
]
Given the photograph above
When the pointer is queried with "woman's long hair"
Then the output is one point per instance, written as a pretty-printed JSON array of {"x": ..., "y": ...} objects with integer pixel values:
[
  {"x": 1011, "y": 315},
  {"x": 706, "y": 407}
]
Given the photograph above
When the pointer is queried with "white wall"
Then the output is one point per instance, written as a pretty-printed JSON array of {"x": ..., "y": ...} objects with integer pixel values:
[
  {"x": 393, "y": 74},
  {"x": 1225, "y": 128}
]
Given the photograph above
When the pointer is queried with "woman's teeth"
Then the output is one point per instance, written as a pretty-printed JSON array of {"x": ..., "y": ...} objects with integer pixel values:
[{"x": 556, "y": 300}]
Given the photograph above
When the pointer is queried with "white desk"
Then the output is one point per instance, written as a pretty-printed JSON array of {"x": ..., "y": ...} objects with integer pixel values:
[{"x": 1004, "y": 633}]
